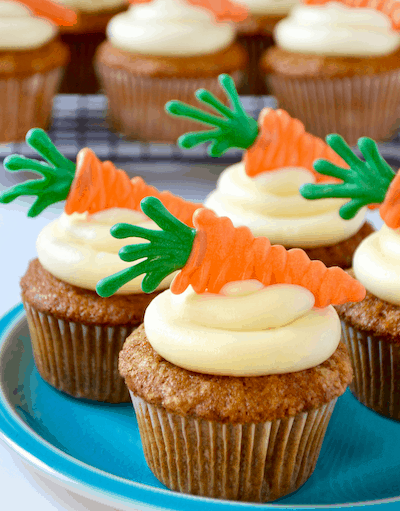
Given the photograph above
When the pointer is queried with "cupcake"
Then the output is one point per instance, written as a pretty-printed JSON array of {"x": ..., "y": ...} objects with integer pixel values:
[
  {"x": 337, "y": 67},
  {"x": 161, "y": 50},
  {"x": 238, "y": 366},
  {"x": 371, "y": 327},
  {"x": 32, "y": 61},
  {"x": 83, "y": 38},
  {"x": 262, "y": 191},
  {"x": 255, "y": 34},
  {"x": 76, "y": 335}
]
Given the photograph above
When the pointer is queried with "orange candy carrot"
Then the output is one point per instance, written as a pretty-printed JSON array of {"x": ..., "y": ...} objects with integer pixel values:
[
  {"x": 284, "y": 142},
  {"x": 390, "y": 207},
  {"x": 389, "y": 7},
  {"x": 224, "y": 10},
  {"x": 52, "y": 11},
  {"x": 100, "y": 185},
  {"x": 222, "y": 253}
]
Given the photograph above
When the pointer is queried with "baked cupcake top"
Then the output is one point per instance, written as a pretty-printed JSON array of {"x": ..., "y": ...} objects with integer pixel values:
[
  {"x": 92, "y": 6},
  {"x": 239, "y": 306},
  {"x": 24, "y": 25},
  {"x": 77, "y": 247},
  {"x": 376, "y": 260},
  {"x": 262, "y": 192},
  {"x": 174, "y": 28},
  {"x": 341, "y": 28}
]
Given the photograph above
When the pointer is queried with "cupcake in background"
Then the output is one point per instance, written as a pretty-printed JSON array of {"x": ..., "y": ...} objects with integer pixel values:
[
  {"x": 336, "y": 67},
  {"x": 161, "y": 50},
  {"x": 83, "y": 38},
  {"x": 76, "y": 335},
  {"x": 262, "y": 191},
  {"x": 371, "y": 328},
  {"x": 32, "y": 61},
  {"x": 237, "y": 368},
  {"x": 255, "y": 34}
]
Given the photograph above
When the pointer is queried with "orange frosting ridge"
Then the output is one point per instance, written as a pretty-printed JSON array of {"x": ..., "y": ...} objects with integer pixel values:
[
  {"x": 284, "y": 142},
  {"x": 223, "y": 10},
  {"x": 389, "y": 7},
  {"x": 100, "y": 185},
  {"x": 56, "y": 13},
  {"x": 390, "y": 207},
  {"x": 222, "y": 253}
]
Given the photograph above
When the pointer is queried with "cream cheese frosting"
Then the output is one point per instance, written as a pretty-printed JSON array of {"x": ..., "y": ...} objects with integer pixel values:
[
  {"x": 92, "y": 5},
  {"x": 80, "y": 250},
  {"x": 334, "y": 29},
  {"x": 376, "y": 264},
  {"x": 246, "y": 330},
  {"x": 272, "y": 7},
  {"x": 169, "y": 28},
  {"x": 270, "y": 205},
  {"x": 21, "y": 30}
]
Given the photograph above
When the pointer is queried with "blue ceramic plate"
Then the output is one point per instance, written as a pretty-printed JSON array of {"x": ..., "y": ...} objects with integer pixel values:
[{"x": 95, "y": 449}]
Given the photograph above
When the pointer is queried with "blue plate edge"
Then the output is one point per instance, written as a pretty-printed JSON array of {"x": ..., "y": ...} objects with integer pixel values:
[{"x": 14, "y": 433}]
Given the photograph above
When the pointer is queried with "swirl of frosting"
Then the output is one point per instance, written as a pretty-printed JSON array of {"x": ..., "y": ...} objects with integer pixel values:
[
  {"x": 20, "y": 29},
  {"x": 91, "y": 5},
  {"x": 376, "y": 264},
  {"x": 169, "y": 28},
  {"x": 81, "y": 251},
  {"x": 270, "y": 205},
  {"x": 337, "y": 30},
  {"x": 272, "y": 7},
  {"x": 247, "y": 330}
]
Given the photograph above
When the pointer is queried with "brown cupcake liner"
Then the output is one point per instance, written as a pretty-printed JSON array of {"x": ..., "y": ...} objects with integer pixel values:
[
  {"x": 353, "y": 106},
  {"x": 79, "y": 359},
  {"x": 136, "y": 103},
  {"x": 26, "y": 102},
  {"x": 253, "y": 80},
  {"x": 246, "y": 462},
  {"x": 80, "y": 76},
  {"x": 376, "y": 364}
]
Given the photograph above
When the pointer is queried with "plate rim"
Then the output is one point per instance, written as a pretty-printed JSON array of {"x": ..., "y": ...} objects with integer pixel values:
[{"x": 100, "y": 485}]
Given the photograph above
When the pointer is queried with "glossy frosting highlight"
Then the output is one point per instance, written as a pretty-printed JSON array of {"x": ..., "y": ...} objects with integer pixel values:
[
  {"x": 248, "y": 330},
  {"x": 169, "y": 28},
  {"x": 270, "y": 205},
  {"x": 337, "y": 30},
  {"x": 272, "y": 7}
]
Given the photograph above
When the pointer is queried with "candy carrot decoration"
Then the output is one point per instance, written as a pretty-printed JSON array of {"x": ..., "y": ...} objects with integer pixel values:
[
  {"x": 365, "y": 183},
  {"x": 52, "y": 11},
  {"x": 276, "y": 141},
  {"x": 215, "y": 253},
  {"x": 389, "y": 7},
  {"x": 90, "y": 186},
  {"x": 223, "y": 10}
]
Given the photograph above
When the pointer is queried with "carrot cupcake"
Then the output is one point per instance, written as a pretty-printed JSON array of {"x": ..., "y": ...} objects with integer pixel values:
[
  {"x": 165, "y": 49},
  {"x": 336, "y": 66},
  {"x": 32, "y": 60},
  {"x": 238, "y": 366},
  {"x": 371, "y": 328},
  {"x": 255, "y": 34},
  {"x": 76, "y": 335},
  {"x": 83, "y": 38},
  {"x": 262, "y": 191}
]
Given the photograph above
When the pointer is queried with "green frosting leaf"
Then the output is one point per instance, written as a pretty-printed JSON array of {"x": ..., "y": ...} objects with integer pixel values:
[
  {"x": 364, "y": 182},
  {"x": 167, "y": 250},
  {"x": 234, "y": 129},
  {"x": 58, "y": 174}
]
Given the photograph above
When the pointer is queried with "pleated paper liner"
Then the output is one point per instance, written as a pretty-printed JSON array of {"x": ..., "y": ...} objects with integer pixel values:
[
  {"x": 136, "y": 103},
  {"x": 376, "y": 364},
  {"x": 81, "y": 360},
  {"x": 26, "y": 102},
  {"x": 245, "y": 462},
  {"x": 253, "y": 82},
  {"x": 354, "y": 107}
]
